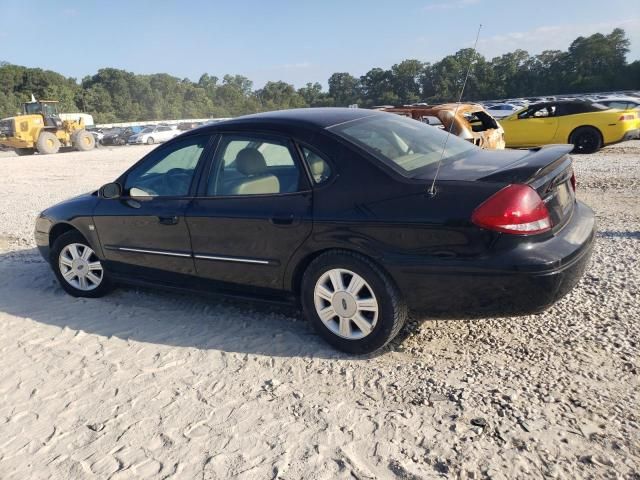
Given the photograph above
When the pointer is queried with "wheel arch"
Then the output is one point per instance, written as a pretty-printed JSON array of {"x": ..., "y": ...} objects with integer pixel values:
[
  {"x": 60, "y": 229},
  {"x": 294, "y": 281}
]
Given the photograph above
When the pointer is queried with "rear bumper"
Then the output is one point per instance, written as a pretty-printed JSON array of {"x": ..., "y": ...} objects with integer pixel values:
[
  {"x": 526, "y": 279},
  {"x": 631, "y": 135}
]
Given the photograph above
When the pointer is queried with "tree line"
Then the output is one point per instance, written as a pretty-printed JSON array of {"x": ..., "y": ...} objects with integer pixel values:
[{"x": 594, "y": 63}]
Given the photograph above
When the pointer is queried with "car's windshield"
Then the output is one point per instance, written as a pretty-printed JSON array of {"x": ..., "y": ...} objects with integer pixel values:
[
  {"x": 402, "y": 143},
  {"x": 147, "y": 130}
]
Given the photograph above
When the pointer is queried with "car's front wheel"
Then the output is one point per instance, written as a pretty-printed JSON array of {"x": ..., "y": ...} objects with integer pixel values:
[
  {"x": 351, "y": 302},
  {"x": 77, "y": 267}
]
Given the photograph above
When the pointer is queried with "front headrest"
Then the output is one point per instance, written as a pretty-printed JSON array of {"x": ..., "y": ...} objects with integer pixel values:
[{"x": 250, "y": 161}]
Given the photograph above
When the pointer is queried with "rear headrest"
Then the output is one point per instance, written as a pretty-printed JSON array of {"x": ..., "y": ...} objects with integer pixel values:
[
  {"x": 250, "y": 161},
  {"x": 317, "y": 165}
]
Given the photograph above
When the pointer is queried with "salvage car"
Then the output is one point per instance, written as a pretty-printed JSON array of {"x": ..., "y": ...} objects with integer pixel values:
[
  {"x": 470, "y": 121},
  {"x": 587, "y": 126},
  {"x": 359, "y": 215}
]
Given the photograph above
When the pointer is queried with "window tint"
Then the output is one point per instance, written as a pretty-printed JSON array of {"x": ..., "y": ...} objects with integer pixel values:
[
  {"x": 246, "y": 165},
  {"x": 167, "y": 172},
  {"x": 318, "y": 166},
  {"x": 164, "y": 129}
]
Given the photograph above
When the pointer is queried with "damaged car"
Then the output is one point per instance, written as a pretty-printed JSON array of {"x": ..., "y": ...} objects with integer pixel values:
[{"x": 468, "y": 121}]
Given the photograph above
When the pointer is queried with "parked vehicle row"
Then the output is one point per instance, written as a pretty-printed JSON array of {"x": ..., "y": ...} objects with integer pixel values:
[
  {"x": 147, "y": 134},
  {"x": 585, "y": 124}
]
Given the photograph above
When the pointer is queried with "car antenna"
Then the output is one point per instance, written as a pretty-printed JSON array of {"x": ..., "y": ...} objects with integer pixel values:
[{"x": 432, "y": 190}]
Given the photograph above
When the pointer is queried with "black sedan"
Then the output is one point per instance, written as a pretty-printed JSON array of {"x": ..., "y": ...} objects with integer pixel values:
[
  {"x": 361, "y": 215},
  {"x": 118, "y": 136}
]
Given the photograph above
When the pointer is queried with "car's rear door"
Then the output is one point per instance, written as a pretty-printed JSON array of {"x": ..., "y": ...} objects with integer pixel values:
[
  {"x": 249, "y": 219},
  {"x": 144, "y": 231}
]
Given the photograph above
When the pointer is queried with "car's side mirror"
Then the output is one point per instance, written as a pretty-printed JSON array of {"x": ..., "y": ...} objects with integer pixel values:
[{"x": 111, "y": 190}]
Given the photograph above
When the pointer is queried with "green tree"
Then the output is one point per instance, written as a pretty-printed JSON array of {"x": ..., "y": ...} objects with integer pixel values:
[{"x": 343, "y": 88}]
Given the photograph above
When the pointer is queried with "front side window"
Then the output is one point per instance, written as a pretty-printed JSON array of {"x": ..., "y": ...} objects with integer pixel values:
[
  {"x": 403, "y": 144},
  {"x": 246, "y": 165},
  {"x": 168, "y": 172}
]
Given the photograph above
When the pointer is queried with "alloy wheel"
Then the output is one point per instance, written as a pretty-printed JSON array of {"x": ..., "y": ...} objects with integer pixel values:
[
  {"x": 80, "y": 267},
  {"x": 346, "y": 304}
]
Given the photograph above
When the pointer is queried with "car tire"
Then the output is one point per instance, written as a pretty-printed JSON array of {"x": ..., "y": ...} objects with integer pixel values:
[
  {"x": 83, "y": 141},
  {"x": 586, "y": 140},
  {"x": 47, "y": 143},
  {"x": 150, "y": 141},
  {"x": 71, "y": 268},
  {"x": 367, "y": 298}
]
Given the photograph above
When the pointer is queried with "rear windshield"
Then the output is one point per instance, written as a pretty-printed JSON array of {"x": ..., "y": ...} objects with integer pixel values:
[{"x": 404, "y": 144}]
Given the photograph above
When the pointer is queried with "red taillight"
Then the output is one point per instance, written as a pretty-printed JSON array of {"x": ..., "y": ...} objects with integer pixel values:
[
  {"x": 514, "y": 209},
  {"x": 628, "y": 116}
]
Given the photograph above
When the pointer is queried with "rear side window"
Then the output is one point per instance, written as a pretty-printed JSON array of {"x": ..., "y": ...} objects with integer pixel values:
[
  {"x": 246, "y": 165},
  {"x": 318, "y": 166}
]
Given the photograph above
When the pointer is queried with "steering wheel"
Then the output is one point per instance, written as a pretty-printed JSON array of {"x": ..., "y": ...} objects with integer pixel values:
[{"x": 176, "y": 180}]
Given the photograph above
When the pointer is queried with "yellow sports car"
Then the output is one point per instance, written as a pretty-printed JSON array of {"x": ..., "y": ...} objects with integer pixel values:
[{"x": 588, "y": 126}]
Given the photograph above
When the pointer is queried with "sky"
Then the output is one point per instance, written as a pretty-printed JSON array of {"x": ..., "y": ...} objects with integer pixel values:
[{"x": 295, "y": 41}]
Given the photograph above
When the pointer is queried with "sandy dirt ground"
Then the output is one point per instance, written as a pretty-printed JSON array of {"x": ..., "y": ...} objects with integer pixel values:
[{"x": 149, "y": 384}]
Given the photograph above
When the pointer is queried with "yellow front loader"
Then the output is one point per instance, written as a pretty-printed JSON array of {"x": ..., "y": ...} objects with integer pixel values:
[{"x": 40, "y": 129}]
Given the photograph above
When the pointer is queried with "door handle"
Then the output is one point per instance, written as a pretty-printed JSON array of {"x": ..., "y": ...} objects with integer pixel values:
[
  {"x": 171, "y": 220},
  {"x": 282, "y": 220}
]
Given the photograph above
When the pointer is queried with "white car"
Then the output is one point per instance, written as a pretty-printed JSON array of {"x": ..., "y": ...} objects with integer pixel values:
[
  {"x": 621, "y": 103},
  {"x": 502, "y": 110},
  {"x": 151, "y": 135}
]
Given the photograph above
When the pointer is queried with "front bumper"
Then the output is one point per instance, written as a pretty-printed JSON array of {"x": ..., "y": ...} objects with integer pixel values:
[{"x": 526, "y": 279}]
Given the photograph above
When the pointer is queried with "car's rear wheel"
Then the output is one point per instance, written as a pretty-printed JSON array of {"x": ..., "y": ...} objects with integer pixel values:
[
  {"x": 77, "y": 267},
  {"x": 351, "y": 302},
  {"x": 586, "y": 140}
]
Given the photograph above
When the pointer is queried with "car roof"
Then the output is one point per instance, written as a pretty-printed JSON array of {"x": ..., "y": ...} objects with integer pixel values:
[{"x": 313, "y": 117}]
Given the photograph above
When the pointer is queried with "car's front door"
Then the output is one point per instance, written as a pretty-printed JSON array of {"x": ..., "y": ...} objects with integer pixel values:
[
  {"x": 532, "y": 127},
  {"x": 144, "y": 231},
  {"x": 252, "y": 212}
]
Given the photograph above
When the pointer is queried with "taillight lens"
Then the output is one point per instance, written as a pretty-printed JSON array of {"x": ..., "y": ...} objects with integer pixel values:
[
  {"x": 628, "y": 116},
  {"x": 514, "y": 209}
]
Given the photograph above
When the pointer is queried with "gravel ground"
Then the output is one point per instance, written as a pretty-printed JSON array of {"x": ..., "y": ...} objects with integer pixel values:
[{"x": 149, "y": 384}]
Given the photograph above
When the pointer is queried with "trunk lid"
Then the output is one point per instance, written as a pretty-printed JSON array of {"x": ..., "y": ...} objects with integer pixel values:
[{"x": 547, "y": 169}]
